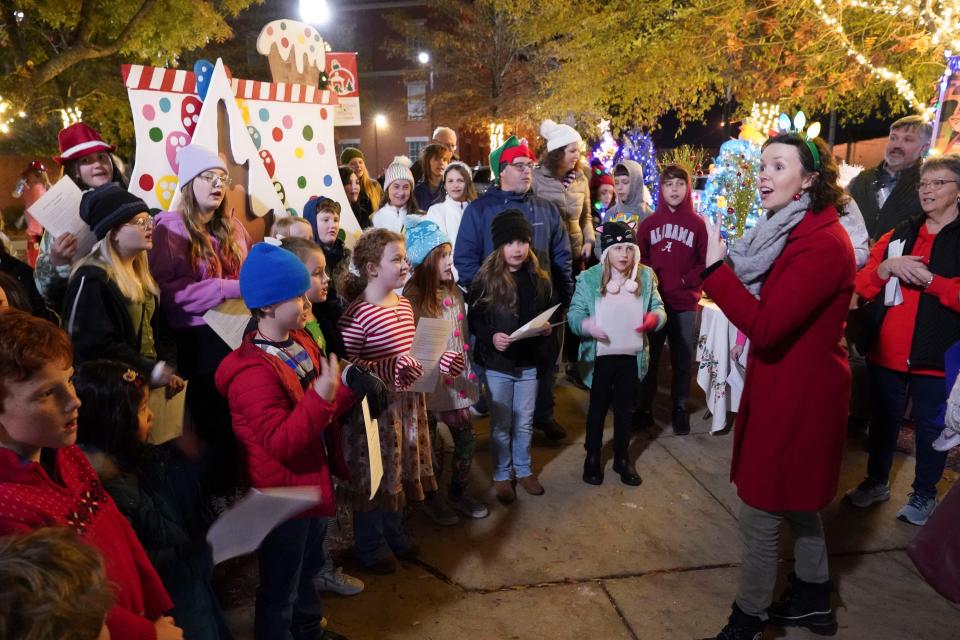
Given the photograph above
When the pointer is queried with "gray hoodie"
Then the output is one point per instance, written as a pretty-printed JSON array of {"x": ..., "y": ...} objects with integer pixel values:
[{"x": 634, "y": 205}]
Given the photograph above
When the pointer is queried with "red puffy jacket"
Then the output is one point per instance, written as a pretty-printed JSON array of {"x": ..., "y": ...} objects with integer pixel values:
[{"x": 283, "y": 431}]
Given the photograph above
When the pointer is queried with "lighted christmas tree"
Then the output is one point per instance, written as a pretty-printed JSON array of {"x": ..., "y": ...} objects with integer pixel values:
[
  {"x": 634, "y": 145},
  {"x": 731, "y": 195}
]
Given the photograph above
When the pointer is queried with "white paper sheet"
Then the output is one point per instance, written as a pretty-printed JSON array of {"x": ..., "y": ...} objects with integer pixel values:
[
  {"x": 892, "y": 296},
  {"x": 429, "y": 343},
  {"x": 58, "y": 210},
  {"x": 242, "y": 527},
  {"x": 536, "y": 326},
  {"x": 229, "y": 320},
  {"x": 373, "y": 448},
  {"x": 168, "y": 415},
  {"x": 619, "y": 317}
]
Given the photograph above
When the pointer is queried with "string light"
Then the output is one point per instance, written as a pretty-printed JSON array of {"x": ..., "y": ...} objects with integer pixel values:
[
  {"x": 6, "y": 118},
  {"x": 70, "y": 115},
  {"x": 763, "y": 116},
  {"x": 495, "y": 130}
]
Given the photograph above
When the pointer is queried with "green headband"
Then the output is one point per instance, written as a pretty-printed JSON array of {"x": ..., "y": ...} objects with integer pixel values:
[{"x": 814, "y": 152}]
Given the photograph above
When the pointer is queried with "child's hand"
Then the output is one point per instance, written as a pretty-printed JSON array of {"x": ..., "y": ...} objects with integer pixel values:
[
  {"x": 167, "y": 630},
  {"x": 547, "y": 329},
  {"x": 175, "y": 386},
  {"x": 452, "y": 363},
  {"x": 501, "y": 341},
  {"x": 649, "y": 323},
  {"x": 329, "y": 379},
  {"x": 736, "y": 352},
  {"x": 590, "y": 326},
  {"x": 407, "y": 370}
]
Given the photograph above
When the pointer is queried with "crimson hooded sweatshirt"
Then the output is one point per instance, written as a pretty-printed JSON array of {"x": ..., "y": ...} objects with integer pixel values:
[{"x": 674, "y": 244}]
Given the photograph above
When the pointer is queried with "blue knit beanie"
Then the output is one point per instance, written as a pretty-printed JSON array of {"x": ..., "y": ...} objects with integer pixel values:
[
  {"x": 422, "y": 239},
  {"x": 270, "y": 275}
]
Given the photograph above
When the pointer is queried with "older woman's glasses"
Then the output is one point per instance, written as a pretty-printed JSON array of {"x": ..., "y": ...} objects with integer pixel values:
[
  {"x": 932, "y": 184},
  {"x": 215, "y": 179}
]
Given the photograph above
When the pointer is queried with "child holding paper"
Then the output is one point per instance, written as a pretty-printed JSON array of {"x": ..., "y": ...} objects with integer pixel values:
[
  {"x": 434, "y": 294},
  {"x": 284, "y": 400},
  {"x": 510, "y": 289},
  {"x": 378, "y": 328},
  {"x": 155, "y": 487},
  {"x": 613, "y": 378}
]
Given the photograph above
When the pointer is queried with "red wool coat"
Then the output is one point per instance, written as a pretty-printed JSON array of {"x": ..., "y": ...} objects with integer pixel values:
[
  {"x": 790, "y": 431},
  {"x": 288, "y": 437}
]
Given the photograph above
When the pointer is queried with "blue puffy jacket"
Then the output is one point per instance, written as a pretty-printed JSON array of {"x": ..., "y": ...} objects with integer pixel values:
[{"x": 550, "y": 240}]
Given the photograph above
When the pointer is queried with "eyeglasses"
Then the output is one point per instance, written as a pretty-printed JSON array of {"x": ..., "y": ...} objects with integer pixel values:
[
  {"x": 523, "y": 167},
  {"x": 143, "y": 223},
  {"x": 215, "y": 179},
  {"x": 933, "y": 184}
]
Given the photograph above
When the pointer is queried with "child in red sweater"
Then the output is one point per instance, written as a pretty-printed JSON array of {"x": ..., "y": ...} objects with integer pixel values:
[{"x": 45, "y": 480}]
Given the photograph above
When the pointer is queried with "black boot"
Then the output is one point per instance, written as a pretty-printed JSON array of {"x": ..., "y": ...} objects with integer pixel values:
[
  {"x": 642, "y": 419},
  {"x": 593, "y": 468},
  {"x": 552, "y": 429},
  {"x": 741, "y": 626},
  {"x": 805, "y": 604},
  {"x": 681, "y": 422},
  {"x": 628, "y": 473}
]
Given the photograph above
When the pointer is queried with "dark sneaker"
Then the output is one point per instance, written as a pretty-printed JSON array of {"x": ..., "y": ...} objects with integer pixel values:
[
  {"x": 437, "y": 509},
  {"x": 384, "y": 566},
  {"x": 552, "y": 429},
  {"x": 480, "y": 408},
  {"x": 805, "y": 604},
  {"x": 681, "y": 422},
  {"x": 741, "y": 626},
  {"x": 468, "y": 507},
  {"x": 917, "y": 510},
  {"x": 869, "y": 492}
]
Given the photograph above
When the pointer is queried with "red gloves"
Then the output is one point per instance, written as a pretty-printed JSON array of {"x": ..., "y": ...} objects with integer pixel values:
[
  {"x": 452, "y": 363},
  {"x": 406, "y": 371},
  {"x": 649, "y": 323}
]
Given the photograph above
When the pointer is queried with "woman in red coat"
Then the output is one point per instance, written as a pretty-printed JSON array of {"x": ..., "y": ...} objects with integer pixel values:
[{"x": 788, "y": 288}]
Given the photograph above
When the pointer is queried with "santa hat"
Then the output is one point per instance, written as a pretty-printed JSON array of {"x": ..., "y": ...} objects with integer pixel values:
[
  {"x": 79, "y": 140},
  {"x": 558, "y": 135},
  {"x": 506, "y": 153},
  {"x": 399, "y": 169},
  {"x": 612, "y": 234}
]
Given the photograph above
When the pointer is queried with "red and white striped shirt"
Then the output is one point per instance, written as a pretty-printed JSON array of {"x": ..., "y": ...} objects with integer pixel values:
[{"x": 376, "y": 336}]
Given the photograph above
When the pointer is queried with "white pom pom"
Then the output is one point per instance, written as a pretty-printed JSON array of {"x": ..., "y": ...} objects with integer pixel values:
[
  {"x": 547, "y": 127},
  {"x": 631, "y": 286},
  {"x": 403, "y": 161}
]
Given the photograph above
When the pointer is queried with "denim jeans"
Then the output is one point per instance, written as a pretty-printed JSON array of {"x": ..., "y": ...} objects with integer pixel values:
[
  {"x": 681, "y": 332},
  {"x": 288, "y": 604},
  {"x": 377, "y": 534},
  {"x": 512, "y": 401},
  {"x": 889, "y": 390}
]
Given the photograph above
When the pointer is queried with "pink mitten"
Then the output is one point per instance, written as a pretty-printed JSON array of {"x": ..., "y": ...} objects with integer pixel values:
[
  {"x": 649, "y": 323},
  {"x": 406, "y": 371},
  {"x": 452, "y": 363}
]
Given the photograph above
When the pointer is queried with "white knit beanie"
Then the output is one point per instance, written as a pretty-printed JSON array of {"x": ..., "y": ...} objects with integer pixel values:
[
  {"x": 558, "y": 135},
  {"x": 194, "y": 160},
  {"x": 399, "y": 169}
]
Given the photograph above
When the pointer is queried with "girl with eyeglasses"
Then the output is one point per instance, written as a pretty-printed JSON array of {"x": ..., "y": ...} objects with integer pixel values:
[
  {"x": 111, "y": 300},
  {"x": 196, "y": 257}
]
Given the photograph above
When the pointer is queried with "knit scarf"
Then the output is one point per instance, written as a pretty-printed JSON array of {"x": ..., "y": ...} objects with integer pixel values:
[
  {"x": 755, "y": 252},
  {"x": 568, "y": 179}
]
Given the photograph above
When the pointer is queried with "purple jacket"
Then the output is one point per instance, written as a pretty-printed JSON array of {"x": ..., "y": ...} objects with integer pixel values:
[{"x": 187, "y": 293}]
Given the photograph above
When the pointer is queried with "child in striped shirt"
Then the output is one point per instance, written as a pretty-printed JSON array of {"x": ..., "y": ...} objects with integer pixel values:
[{"x": 378, "y": 328}]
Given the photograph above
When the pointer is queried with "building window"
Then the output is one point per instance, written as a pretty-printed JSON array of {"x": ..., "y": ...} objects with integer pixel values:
[
  {"x": 416, "y": 100},
  {"x": 416, "y": 145}
]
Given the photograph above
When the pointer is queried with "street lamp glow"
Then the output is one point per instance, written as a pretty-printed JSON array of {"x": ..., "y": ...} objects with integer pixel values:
[
  {"x": 314, "y": 11},
  {"x": 380, "y": 120},
  {"x": 423, "y": 57}
]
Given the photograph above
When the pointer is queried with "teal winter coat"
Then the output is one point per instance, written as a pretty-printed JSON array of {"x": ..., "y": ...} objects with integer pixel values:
[{"x": 584, "y": 305}]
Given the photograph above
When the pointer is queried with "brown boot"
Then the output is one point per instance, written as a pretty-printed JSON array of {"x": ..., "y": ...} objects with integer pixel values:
[
  {"x": 531, "y": 485},
  {"x": 505, "y": 491}
]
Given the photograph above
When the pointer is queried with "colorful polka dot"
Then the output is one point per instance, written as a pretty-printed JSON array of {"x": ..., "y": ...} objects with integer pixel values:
[
  {"x": 269, "y": 31},
  {"x": 164, "y": 104},
  {"x": 149, "y": 113},
  {"x": 146, "y": 182},
  {"x": 308, "y": 133},
  {"x": 298, "y": 152},
  {"x": 321, "y": 149},
  {"x": 283, "y": 26},
  {"x": 277, "y": 134},
  {"x": 264, "y": 115},
  {"x": 323, "y": 113},
  {"x": 287, "y": 122},
  {"x": 302, "y": 182},
  {"x": 327, "y": 180},
  {"x": 156, "y": 134},
  {"x": 284, "y": 43}
]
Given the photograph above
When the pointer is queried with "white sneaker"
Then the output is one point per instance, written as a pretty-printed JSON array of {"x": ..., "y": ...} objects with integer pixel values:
[
  {"x": 338, "y": 582},
  {"x": 947, "y": 440}
]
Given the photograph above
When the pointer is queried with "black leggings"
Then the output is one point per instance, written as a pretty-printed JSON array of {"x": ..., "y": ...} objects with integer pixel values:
[{"x": 614, "y": 382}]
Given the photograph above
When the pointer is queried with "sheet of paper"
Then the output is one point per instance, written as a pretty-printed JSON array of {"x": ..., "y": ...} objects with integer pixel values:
[
  {"x": 536, "y": 326},
  {"x": 168, "y": 415},
  {"x": 892, "y": 296},
  {"x": 58, "y": 210},
  {"x": 242, "y": 527},
  {"x": 619, "y": 317},
  {"x": 431, "y": 340},
  {"x": 229, "y": 320},
  {"x": 373, "y": 448}
]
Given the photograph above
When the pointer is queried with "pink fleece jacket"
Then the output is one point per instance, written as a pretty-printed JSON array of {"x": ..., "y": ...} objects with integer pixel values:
[{"x": 187, "y": 293}]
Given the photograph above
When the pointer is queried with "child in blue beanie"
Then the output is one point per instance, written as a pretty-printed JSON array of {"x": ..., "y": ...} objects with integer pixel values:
[{"x": 285, "y": 398}]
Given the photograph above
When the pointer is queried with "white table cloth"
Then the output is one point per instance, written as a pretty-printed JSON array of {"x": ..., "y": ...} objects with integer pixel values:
[{"x": 720, "y": 378}]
